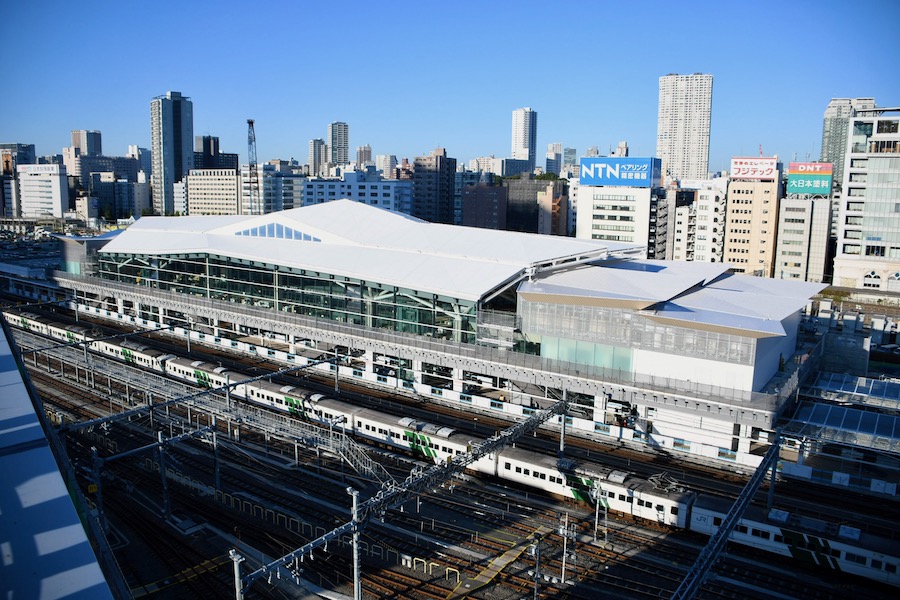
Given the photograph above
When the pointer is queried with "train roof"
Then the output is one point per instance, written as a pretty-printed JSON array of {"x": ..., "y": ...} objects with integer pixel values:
[
  {"x": 339, "y": 406},
  {"x": 206, "y": 366},
  {"x": 143, "y": 348},
  {"x": 793, "y": 521}
]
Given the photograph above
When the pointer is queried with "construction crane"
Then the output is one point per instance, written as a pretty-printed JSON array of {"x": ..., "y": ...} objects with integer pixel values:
[{"x": 255, "y": 209}]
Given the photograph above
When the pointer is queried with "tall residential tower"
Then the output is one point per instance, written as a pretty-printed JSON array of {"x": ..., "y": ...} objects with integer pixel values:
[
  {"x": 524, "y": 136},
  {"x": 338, "y": 143},
  {"x": 171, "y": 142},
  {"x": 682, "y": 130},
  {"x": 835, "y": 125}
]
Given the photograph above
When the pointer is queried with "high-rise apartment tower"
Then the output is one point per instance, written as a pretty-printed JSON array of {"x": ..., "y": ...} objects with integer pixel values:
[
  {"x": 682, "y": 130},
  {"x": 524, "y": 136},
  {"x": 339, "y": 143},
  {"x": 171, "y": 142}
]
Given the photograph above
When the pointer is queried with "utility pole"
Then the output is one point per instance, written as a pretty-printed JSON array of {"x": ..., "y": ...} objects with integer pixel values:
[{"x": 536, "y": 551}]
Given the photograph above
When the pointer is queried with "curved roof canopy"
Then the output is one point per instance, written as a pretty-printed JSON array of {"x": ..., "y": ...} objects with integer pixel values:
[{"x": 352, "y": 239}]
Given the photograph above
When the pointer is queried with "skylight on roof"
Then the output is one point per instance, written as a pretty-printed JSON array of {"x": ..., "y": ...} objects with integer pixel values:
[{"x": 278, "y": 231}]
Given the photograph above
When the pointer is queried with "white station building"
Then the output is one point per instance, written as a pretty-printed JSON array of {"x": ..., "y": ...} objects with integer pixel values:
[{"x": 685, "y": 357}]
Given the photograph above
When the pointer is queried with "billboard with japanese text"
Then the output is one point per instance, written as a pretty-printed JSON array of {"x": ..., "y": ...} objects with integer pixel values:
[
  {"x": 752, "y": 167},
  {"x": 809, "y": 178},
  {"x": 621, "y": 171}
]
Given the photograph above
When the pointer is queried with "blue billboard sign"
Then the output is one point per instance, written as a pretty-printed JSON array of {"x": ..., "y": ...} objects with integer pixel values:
[{"x": 621, "y": 171}]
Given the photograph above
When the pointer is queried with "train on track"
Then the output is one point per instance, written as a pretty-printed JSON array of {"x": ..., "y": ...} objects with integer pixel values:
[{"x": 658, "y": 499}]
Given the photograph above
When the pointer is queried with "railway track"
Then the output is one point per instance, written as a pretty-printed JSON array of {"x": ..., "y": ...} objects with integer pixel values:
[{"x": 516, "y": 579}]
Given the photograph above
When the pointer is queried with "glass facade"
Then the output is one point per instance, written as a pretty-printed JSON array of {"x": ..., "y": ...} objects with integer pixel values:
[
  {"x": 300, "y": 291},
  {"x": 605, "y": 337}
]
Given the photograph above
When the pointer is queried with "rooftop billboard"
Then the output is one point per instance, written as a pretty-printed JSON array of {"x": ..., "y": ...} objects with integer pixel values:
[
  {"x": 753, "y": 167},
  {"x": 621, "y": 171},
  {"x": 809, "y": 178}
]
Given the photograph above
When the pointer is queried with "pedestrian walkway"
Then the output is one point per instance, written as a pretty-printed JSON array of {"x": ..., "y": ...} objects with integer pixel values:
[{"x": 471, "y": 584}]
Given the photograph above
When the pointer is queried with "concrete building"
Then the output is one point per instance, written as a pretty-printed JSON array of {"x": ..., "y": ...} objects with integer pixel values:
[
  {"x": 11, "y": 156},
  {"x": 208, "y": 156},
  {"x": 15, "y": 154},
  {"x": 366, "y": 187},
  {"x": 682, "y": 130},
  {"x": 622, "y": 200},
  {"x": 510, "y": 167},
  {"x": 144, "y": 158},
  {"x": 317, "y": 157},
  {"x": 270, "y": 191},
  {"x": 804, "y": 226},
  {"x": 213, "y": 192},
  {"x": 665, "y": 355},
  {"x": 43, "y": 191},
  {"x": 485, "y": 206},
  {"x": 554, "y": 159},
  {"x": 462, "y": 179},
  {"x": 82, "y": 166},
  {"x": 338, "y": 144},
  {"x": 364, "y": 156},
  {"x": 752, "y": 215},
  {"x": 697, "y": 211},
  {"x": 868, "y": 245},
  {"x": 536, "y": 205},
  {"x": 483, "y": 164},
  {"x": 387, "y": 164},
  {"x": 87, "y": 143},
  {"x": 835, "y": 127},
  {"x": 293, "y": 188},
  {"x": 171, "y": 136},
  {"x": 524, "y": 136},
  {"x": 434, "y": 187}
]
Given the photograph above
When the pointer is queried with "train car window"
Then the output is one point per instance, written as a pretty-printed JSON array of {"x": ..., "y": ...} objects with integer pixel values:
[
  {"x": 890, "y": 568},
  {"x": 876, "y": 564},
  {"x": 779, "y": 539},
  {"x": 717, "y": 521},
  {"x": 518, "y": 469},
  {"x": 629, "y": 499},
  {"x": 741, "y": 529},
  {"x": 674, "y": 510},
  {"x": 527, "y": 471},
  {"x": 622, "y": 497},
  {"x": 660, "y": 508},
  {"x": 507, "y": 466}
]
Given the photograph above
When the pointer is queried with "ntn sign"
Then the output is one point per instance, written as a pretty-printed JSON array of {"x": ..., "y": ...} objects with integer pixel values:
[{"x": 620, "y": 171}]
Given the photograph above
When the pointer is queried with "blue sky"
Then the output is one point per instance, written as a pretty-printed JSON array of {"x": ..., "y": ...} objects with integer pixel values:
[{"x": 409, "y": 77}]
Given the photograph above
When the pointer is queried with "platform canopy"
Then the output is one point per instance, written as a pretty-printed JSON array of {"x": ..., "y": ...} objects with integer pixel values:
[{"x": 846, "y": 425}]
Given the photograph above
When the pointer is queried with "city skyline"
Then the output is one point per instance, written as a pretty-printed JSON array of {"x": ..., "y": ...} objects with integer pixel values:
[{"x": 770, "y": 92}]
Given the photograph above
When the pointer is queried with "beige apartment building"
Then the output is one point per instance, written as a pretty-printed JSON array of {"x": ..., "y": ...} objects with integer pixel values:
[{"x": 751, "y": 215}]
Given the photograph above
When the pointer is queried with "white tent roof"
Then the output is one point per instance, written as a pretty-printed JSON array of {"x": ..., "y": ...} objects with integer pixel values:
[
  {"x": 351, "y": 239},
  {"x": 682, "y": 293}
]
